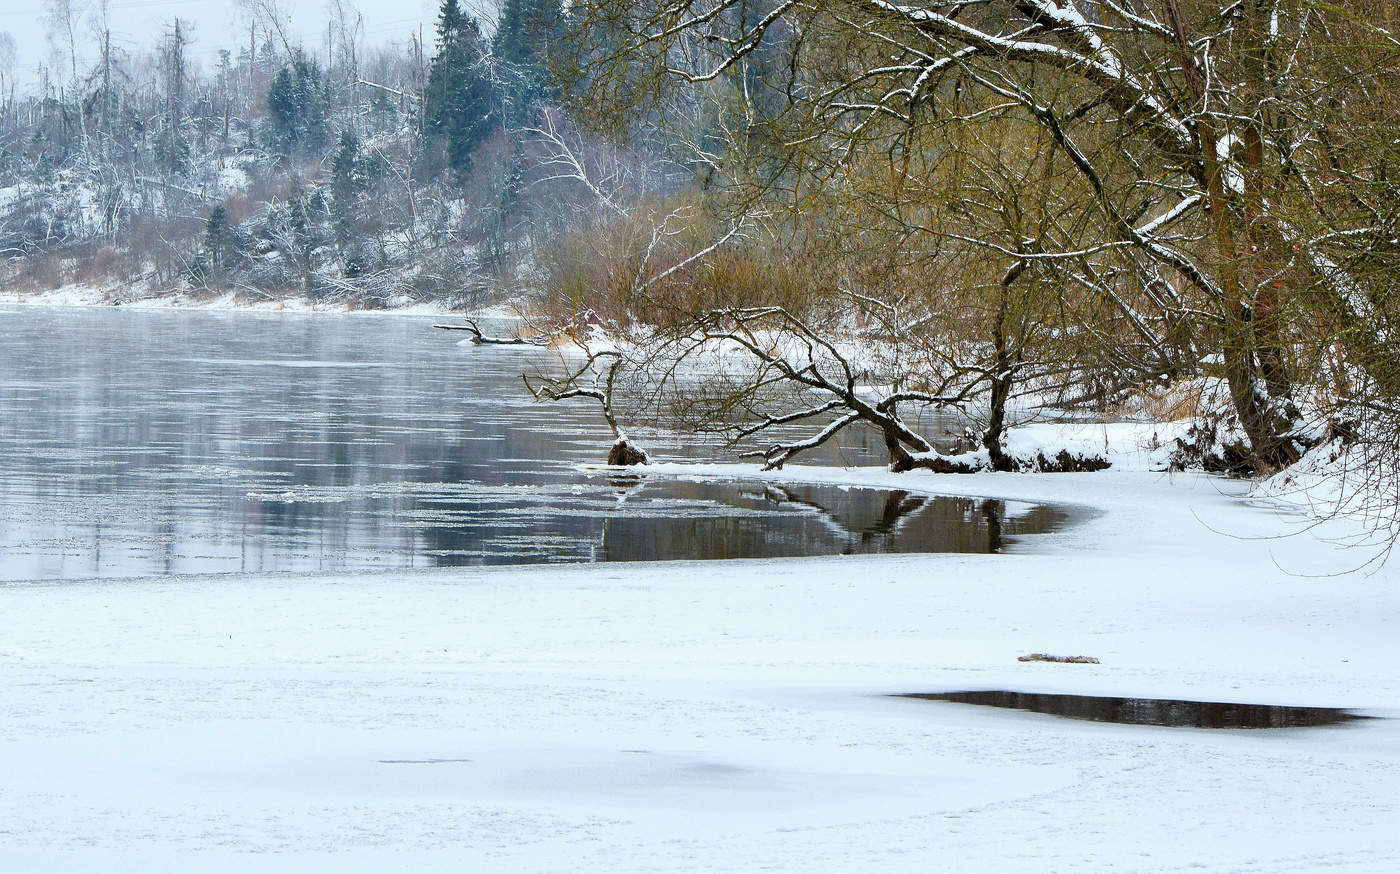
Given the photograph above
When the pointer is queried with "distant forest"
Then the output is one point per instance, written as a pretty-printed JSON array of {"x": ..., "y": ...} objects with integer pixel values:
[{"x": 369, "y": 174}]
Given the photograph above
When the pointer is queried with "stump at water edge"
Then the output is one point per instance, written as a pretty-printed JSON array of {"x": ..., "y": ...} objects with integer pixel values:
[{"x": 625, "y": 454}]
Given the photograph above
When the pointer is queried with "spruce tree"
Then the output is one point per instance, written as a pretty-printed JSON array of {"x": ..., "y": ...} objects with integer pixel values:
[
  {"x": 521, "y": 47},
  {"x": 525, "y": 31},
  {"x": 346, "y": 176},
  {"x": 348, "y": 184},
  {"x": 282, "y": 110},
  {"x": 297, "y": 105},
  {"x": 459, "y": 109},
  {"x": 218, "y": 240}
]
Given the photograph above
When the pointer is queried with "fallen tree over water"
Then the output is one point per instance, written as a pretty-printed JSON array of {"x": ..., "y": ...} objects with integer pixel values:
[{"x": 777, "y": 385}]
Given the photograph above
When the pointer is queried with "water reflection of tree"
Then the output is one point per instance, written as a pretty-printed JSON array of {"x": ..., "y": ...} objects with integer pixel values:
[
  {"x": 898, "y": 507},
  {"x": 827, "y": 521},
  {"x": 632, "y": 518},
  {"x": 992, "y": 514},
  {"x": 912, "y": 523}
]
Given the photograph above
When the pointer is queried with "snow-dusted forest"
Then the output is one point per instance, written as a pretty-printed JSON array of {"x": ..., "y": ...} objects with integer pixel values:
[
  {"x": 368, "y": 173},
  {"x": 1038, "y": 354}
]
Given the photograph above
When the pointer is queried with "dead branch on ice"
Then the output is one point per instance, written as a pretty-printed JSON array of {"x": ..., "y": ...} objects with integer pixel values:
[
  {"x": 486, "y": 340},
  {"x": 1057, "y": 659}
]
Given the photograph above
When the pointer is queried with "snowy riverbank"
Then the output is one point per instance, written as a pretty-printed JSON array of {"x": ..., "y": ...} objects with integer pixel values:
[
  {"x": 722, "y": 716},
  {"x": 135, "y": 298}
]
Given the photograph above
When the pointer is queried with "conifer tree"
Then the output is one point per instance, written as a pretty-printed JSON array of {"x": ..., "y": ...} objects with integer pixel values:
[
  {"x": 297, "y": 106},
  {"x": 521, "y": 47},
  {"x": 459, "y": 109},
  {"x": 525, "y": 31},
  {"x": 348, "y": 183},
  {"x": 218, "y": 240}
]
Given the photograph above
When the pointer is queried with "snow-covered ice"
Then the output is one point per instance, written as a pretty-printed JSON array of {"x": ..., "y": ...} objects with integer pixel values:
[{"x": 724, "y": 716}]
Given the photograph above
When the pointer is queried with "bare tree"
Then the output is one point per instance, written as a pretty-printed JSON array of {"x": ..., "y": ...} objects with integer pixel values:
[
  {"x": 595, "y": 378},
  {"x": 274, "y": 17},
  {"x": 7, "y": 71},
  {"x": 1192, "y": 132},
  {"x": 347, "y": 28},
  {"x": 61, "y": 22}
]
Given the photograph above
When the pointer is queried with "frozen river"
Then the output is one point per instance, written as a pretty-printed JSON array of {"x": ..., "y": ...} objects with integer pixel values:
[
  {"x": 135, "y": 443},
  {"x": 888, "y": 713}
]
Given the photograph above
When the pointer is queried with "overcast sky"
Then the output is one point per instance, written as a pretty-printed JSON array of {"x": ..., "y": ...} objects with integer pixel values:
[{"x": 215, "y": 24}]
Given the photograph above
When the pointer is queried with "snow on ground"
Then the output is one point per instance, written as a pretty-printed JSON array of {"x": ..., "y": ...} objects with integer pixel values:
[
  {"x": 724, "y": 716},
  {"x": 232, "y": 180}
]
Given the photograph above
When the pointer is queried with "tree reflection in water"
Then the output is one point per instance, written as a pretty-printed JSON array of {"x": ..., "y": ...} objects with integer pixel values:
[{"x": 771, "y": 521}]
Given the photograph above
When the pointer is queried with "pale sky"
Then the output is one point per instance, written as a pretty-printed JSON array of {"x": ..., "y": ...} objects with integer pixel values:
[{"x": 215, "y": 24}]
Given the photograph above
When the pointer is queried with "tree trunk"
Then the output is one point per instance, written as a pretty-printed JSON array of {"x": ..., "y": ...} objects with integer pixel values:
[
  {"x": 1003, "y": 374},
  {"x": 1250, "y": 346}
]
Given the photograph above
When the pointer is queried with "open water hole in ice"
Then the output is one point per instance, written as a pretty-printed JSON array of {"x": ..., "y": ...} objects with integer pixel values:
[
  {"x": 162, "y": 442},
  {"x": 1149, "y": 711}
]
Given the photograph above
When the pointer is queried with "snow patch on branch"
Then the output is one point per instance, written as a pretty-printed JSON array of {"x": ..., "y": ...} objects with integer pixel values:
[{"x": 1230, "y": 174}]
